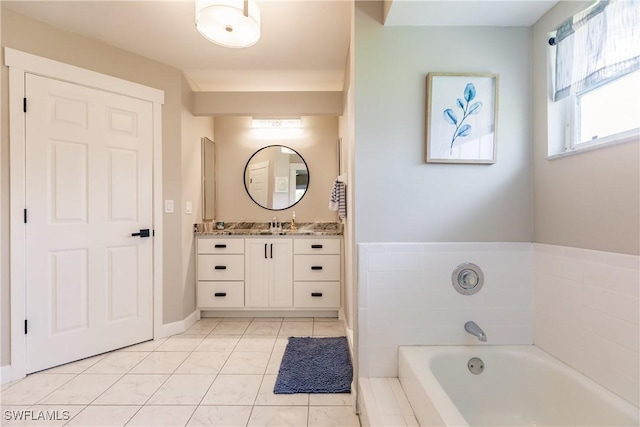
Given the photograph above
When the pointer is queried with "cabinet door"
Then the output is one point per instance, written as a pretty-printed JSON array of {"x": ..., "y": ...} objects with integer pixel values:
[
  {"x": 281, "y": 288},
  {"x": 257, "y": 272}
]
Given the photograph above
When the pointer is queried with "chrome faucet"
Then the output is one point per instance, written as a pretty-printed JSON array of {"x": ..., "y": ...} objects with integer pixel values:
[
  {"x": 475, "y": 330},
  {"x": 275, "y": 226}
]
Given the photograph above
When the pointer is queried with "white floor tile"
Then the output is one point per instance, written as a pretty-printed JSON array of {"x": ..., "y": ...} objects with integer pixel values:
[
  {"x": 145, "y": 346},
  {"x": 75, "y": 367},
  {"x": 229, "y": 366},
  {"x": 281, "y": 344},
  {"x": 329, "y": 328},
  {"x": 181, "y": 343},
  {"x": 221, "y": 416},
  {"x": 274, "y": 362},
  {"x": 296, "y": 329},
  {"x": 330, "y": 399},
  {"x": 230, "y": 328},
  {"x": 233, "y": 390},
  {"x": 33, "y": 388},
  {"x": 266, "y": 396},
  {"x": 202, "y": 327},
  {"x": 332, "y": 416},
  {"x": 203, "y": 363},
  {"x": 256, "y": 343},
  {"x": 162, "y": 416},
  {"x": 269, "y": 327},
  {"x": 219, "y": 343},
  {"x": 182, "y": 390},
  {"x": 117, "y": 363},
  {"x": 279, "y": 416},
  {"x": 160, "y": 363},
  {"x": 248, "y": 362},
  {"x": 81, "y": 390},
  {"x": 104, "y": 416},
  {"x": 131, "y": 390}
]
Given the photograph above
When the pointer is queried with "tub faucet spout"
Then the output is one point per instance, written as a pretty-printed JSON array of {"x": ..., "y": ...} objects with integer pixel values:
[{"x": 475, "y": 330}]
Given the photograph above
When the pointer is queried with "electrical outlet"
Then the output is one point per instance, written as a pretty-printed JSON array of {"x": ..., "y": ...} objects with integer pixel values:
[
  {"x": 168, "y": 206},
  {"x": 188, "y": 208}
]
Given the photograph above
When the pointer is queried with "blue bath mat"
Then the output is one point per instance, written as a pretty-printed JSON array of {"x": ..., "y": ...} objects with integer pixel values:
[{"x": 315, "y": 365}]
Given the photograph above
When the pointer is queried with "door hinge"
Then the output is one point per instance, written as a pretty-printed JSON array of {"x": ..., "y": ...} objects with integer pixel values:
[
  {"x": 153, "y": 232},
  {"x": 24, "y": 104},
  {"x": 26, "y": 328},
  {"x": 25, "y": 216}
]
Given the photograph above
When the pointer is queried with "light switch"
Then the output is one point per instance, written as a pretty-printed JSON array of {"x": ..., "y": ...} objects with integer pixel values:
[
  {"x": 168, "y": 206},
  {"x": 188, "y": 208}
]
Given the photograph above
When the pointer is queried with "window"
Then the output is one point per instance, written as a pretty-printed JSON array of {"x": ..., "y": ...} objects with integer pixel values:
[
  {"x": 608, "y": 112},
  {"x": 596, "y": 77}
]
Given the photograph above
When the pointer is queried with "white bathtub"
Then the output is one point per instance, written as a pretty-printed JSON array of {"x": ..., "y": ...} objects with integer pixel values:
[{"x": 520, "y": 386}]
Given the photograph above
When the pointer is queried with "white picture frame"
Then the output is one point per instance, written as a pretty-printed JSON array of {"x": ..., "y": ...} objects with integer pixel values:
[{"x": 461, "y": 118}]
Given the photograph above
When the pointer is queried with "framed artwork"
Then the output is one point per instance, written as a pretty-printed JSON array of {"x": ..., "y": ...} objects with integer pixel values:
[
  {"x": 282, "y": 184},
  {"x": 462, "y": 118}
]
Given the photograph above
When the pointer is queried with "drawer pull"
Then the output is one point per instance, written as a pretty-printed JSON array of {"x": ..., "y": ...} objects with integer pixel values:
[
  {"x": 220, "y": 246},
  {"x": 316, "y": 267},
  {"x": 316, "y": 294},
  {"x": 316, "y": 246},
  {"x": 220, "y": 267},
  {"x": 220, "y": 294}
]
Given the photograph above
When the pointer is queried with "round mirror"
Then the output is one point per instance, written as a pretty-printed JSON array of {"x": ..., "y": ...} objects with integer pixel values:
[{"x": 276, "y": 177}]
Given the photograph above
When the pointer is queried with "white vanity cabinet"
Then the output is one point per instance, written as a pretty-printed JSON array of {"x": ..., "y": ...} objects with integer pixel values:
[
  {"x": 316, "y": 273},
  {"x": 268, "y": 273},
  {"x": 220, "y": 273},
  {"x": 297, "y": 273}
]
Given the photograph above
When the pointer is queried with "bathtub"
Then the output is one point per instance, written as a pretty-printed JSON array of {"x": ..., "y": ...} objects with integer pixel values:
[{"x": 519, "y": 386}]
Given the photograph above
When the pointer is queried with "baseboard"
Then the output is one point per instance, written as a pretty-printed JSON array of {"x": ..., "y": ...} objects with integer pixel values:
[
  {"x": 270, "y": 313},
  {"x": 180, "y": 326},
  {"x": 5, "y": 374}
]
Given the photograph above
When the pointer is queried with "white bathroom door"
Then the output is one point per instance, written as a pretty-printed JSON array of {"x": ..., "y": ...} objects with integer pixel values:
[
  {"x": 259, "y": 182},
  {"x": 88, "y": 189}
]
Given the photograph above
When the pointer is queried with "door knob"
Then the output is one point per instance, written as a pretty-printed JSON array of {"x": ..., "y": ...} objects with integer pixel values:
[{"x": 142, "y": 233}]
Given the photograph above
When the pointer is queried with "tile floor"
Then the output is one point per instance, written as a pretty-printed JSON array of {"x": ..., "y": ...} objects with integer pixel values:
[{"x": 220, "y": 372}]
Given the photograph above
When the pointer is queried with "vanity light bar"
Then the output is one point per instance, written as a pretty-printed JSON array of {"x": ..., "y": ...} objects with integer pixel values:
[
  {"x": 276, "y": 123},
  {"x": 277, "y": 128}
]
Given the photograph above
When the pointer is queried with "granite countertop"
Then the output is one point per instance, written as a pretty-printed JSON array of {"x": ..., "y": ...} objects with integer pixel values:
[{"x": 262, "y": 229}]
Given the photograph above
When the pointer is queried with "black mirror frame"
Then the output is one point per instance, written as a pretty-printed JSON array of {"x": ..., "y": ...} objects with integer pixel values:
[{"x": 244, "y": 174}]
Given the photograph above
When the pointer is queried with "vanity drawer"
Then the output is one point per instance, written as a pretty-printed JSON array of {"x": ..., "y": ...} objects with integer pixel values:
[
  {"x": 220, "y": 294},
  {"x": 316, "y": 246},
  {"x": 316, "y": 268},
  {"x": 220, "y": 267},
  {"x": 220, "y": 246},
  {"x": 316, "y": 294}
]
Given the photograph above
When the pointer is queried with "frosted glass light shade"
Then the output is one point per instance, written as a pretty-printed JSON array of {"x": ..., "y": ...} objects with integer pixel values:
[{"x": 223, "y": 22}]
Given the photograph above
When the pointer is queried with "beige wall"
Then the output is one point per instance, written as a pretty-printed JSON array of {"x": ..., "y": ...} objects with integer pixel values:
[
  {"x": 590, "y": 200},
  {"x": 35, "y": 37},
  {"x": 271, "y": 104},
  {"x": 235, "y": 144},
  {"x": 193, "y": 130},
  {"x": 5, "y": 302}
]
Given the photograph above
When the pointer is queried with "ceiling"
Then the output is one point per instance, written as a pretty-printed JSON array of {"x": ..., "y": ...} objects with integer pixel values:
[
  {"x": 440, "y": 13},
  {"x": 303, "y": 46}
]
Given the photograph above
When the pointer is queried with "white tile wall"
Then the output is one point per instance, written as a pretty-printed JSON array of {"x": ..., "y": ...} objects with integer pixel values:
[
  {"x": 406, "y": 298},
  {"x": 587, "y": 313}
]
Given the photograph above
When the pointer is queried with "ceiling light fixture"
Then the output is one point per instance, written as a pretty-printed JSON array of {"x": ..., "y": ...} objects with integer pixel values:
[{"x": 229, "y": 23}]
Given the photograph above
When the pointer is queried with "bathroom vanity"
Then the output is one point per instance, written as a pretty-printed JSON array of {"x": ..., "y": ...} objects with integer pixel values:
[{"x": 253, "y": 270}]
